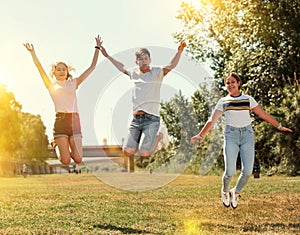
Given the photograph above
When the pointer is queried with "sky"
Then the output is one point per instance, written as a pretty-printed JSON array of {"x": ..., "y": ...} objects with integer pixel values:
[{"x": 66, "y": 31}]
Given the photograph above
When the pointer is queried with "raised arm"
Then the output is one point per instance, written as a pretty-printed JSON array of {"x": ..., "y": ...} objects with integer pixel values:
[
  {"x": 208, "y": 126},
  {"x": 117, "y": 64},
  {"x": 267, "y": 117},
  {"x": 175, "y": 59},
  {"x": 90, "y": 69},
  {"x": 37, "y": 63}
]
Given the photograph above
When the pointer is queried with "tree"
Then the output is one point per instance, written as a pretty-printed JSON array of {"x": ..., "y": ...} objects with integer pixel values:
[
  {"x": 33, "y": 138},
  {"x": 179, "y": 118},
  {"x": 22, "y": 135},
  {"x": 280, "y": 152},
  {"x": 181, "y": 122},
  {"x": 258, "y": 39},
  {"x": 10, "y": 123}
]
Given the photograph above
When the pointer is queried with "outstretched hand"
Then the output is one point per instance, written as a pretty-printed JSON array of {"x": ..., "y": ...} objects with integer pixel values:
[
  {"x": 103, "y": 51},
  {"x": 98, "y": 41},
  {"x": 285, "y": 129},
  {"x": 28, "y": 46},
  {"x": 182, "y": 45},
  {"x": 196, "y": 138}
]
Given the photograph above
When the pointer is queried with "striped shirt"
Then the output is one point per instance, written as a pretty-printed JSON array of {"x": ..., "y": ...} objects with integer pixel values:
[{"x": 237, "y": 109}]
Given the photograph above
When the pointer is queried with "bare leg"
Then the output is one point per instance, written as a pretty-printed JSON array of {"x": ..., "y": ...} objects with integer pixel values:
[
  {"x": 159, "y": 136},
  {"x": 62, "y": 150},
  {"x": 76, "y": 148},
  {"x": 129, "y": 159}
]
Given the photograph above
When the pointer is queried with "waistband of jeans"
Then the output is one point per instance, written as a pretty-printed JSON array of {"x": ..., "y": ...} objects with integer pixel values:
[
  {"x": 143, "y": 115},
  {"x": 61, "y": 114},
  {"x": 239, "y": 128}
]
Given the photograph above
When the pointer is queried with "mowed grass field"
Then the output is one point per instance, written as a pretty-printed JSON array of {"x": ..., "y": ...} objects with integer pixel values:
[{"x": 83, "y": 204}]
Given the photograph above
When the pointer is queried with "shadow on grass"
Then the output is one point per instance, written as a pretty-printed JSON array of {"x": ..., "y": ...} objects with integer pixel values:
[
  {"x": 290, "y": 227},
  {"x": 124, "y": 230}
]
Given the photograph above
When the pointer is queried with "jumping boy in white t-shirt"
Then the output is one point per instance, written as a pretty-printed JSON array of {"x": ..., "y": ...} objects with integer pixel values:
[{"x": 146, "y": 100}]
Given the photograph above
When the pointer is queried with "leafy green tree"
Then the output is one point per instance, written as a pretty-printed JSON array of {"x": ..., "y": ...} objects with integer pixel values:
[
  {"x": 261, "y": 41},
  {"x": 34, "y": 140},
  {"x": 258, "y": 39},
  {"x": 10, "y": 124},
  {"x": 178, "y": 116},
  {"x": 181, "y": 122},
  {"x": 279, "y": 152},
  {"x": 22, "y": 135}
]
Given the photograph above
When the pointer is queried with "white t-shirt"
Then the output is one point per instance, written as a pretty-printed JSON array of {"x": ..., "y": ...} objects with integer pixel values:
[
  {"x": 237, "y": 109},
  {"x": 63, "y": 94},
  {"x": 146, "y": 93}
]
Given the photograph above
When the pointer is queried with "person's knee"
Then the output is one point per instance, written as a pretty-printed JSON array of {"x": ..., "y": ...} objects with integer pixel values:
[
  {"x": 229, "y": 174},
  {"x": 246, "y": 173},
  {"x": 129, "y": 152},
  {"x": 144, "y": 153},
  {"x": 65, "y": 160},
  {"x": 76, "y": 156},
  {"x": 77, "y": 160}
]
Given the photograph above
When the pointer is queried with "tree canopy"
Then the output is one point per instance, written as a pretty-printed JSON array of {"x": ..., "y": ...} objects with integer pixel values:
[
  {"x": 260, "y": 40},
  {"x": 22, "y": 135}
]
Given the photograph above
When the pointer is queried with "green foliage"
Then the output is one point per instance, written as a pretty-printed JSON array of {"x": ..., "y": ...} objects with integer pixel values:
[
  {"x": 184, "y": 118},
  {"x": 279, "y": 152},
  {"x": 259, "y": 40},
  {"x": 210, "y": 148},
  {"x": 10, "y": 124},
  {"x": 178, "y": 116},
  {"x": 22, "y": 135},
  {"x": 180, "y": 120},
  {"x": 33, "y": 138}
]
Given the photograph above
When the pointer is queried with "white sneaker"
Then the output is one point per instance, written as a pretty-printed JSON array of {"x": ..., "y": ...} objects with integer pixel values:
[
  {"x": 226, "y": 198},
  {"x": 234, "y": 198}
]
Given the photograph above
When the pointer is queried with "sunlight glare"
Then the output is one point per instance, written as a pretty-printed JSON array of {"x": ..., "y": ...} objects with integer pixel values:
[
  {"x": 192, "y": 227},
  {"x": 3, "y": 79},
  {"x": 195, "y": 3},
  {"x": 198, "y": 3}
]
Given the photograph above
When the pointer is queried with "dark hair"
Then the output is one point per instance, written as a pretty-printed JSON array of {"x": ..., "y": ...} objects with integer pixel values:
[
  {"x": 141, "y": 52},
  {"x": 234, "y": 75}
]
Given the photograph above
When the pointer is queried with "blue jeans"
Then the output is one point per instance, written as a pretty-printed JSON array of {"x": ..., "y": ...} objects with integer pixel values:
[
  {"x": 142, "y": 132},
  {"x": 238, "y": 140}
]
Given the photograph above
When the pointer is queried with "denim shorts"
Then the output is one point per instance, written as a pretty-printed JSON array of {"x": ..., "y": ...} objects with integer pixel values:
[
  {"x": 67, "y": 125},
  {"x": 142, "y": 132}
]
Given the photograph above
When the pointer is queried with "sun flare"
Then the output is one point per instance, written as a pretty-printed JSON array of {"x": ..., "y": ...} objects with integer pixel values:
[
  {"x": 195, "y": 3},
  {"x": 3, "y": 79}
]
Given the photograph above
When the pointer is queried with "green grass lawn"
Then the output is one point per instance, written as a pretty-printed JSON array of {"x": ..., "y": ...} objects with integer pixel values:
[{"x": 82, "y": 204}]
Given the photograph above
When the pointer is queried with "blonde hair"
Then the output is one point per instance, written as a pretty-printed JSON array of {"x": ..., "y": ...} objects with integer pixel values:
[
  {"x": 69, "y": 69},
  {"x": 142, "y": 51}
]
